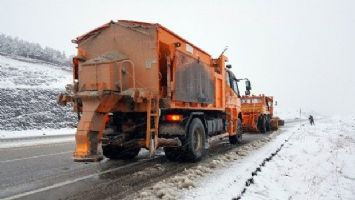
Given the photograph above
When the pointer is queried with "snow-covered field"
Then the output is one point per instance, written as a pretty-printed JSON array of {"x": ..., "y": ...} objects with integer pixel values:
[
  {"x": 298, "y": 162},
  {"x": 317, "y": 162},
  {"x": 28, "y": 92}
]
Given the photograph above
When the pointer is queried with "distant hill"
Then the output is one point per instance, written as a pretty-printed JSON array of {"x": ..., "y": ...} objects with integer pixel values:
[{"x": 17, "y": 47}]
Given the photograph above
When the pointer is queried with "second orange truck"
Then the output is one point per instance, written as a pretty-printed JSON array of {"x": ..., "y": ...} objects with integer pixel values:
[{"x": 258, "y": 114}]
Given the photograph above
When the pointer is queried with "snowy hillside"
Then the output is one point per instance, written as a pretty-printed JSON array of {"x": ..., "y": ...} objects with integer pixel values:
[
  {"x": 16, "y": 47},
  {"x": 28, "y": 92}
]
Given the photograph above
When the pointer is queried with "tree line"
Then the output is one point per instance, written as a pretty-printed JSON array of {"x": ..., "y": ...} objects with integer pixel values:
[{"x": 15, "y": 46}]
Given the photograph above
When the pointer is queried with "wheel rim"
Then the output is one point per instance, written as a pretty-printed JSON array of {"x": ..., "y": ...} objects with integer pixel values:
[{"x": 197, "y": 141}]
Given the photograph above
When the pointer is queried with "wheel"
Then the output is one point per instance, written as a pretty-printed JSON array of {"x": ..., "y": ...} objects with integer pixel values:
[
  {"x": 262, "y": 124},
  {"x": 194, "y": 144},
  {"x": 114, "y": 152},
  {"x": 268, "y": 123},
  {"x": 234, "y": 139},
  {"x": 173, "y": 154}
]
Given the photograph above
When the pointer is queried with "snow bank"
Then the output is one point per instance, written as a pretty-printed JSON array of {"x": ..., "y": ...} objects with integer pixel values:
[
  {"x": 33, "y": 137},
  {"x": 35, "y": 133}
]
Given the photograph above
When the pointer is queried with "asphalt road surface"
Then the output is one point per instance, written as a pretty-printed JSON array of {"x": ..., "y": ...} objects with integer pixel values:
[{"x": 48, "y": 172}]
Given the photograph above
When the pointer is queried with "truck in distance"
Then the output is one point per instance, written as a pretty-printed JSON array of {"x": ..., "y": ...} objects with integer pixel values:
[{"x": 258, "y": 114}]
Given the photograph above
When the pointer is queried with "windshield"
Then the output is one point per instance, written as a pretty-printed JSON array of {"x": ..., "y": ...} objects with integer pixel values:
[
  {"x": 256, "y": 100},
  {"x": 251, "y": 100}
]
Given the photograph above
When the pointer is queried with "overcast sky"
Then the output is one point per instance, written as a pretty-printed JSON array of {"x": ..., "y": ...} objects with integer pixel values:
[{"x": 300, "y": 51}]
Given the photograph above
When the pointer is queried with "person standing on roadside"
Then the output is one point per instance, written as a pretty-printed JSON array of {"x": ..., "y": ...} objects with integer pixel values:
[{"x": 311, "y": 120}]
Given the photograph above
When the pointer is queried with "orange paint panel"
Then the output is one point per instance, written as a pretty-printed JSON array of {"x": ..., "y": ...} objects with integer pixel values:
[{"x": 87, "y": 78}]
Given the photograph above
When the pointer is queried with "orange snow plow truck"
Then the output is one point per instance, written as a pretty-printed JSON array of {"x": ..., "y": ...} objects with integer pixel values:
[
  {"x": 139, "y": 85},
  {"x": 258, "y": 114}
]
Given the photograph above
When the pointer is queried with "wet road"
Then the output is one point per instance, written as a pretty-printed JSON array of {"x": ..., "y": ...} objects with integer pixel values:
[{"x": 48, "y": 172}]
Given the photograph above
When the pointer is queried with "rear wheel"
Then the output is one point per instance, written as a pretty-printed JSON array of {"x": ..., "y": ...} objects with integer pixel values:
[
  {"x": 262, "y": 124},
  {"x": 234, "y": 139},
  {"x": 268, "y": 123},
  {"x": 194, "y": 144},
  {"x": 115, "y": 152}
]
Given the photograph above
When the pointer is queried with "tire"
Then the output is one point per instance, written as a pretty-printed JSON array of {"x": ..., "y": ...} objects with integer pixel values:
[
  {"x": 237, "y": 139},
  {"x": 194, "y": 144},
  {"x": 114, "y": 152},
  {"x": 268, "y": 123},
  {"x": 173, "y": 154},
  {"x": 262, "y": 124}
]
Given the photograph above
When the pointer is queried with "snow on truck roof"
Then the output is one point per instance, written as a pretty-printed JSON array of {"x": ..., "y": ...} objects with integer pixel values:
[{"x": 107, "y": 25}]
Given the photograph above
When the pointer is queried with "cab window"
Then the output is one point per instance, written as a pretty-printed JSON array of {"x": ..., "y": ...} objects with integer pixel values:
[
  {"x": 227, "y": 79},
  {"x": 235, "y": 87}
]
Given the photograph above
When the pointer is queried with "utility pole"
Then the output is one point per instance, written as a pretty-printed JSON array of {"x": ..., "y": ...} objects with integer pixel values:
[{"x": 300, "y": 116}]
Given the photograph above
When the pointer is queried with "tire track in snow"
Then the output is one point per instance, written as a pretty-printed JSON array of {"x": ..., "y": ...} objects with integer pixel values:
[{"x": 250, "y": 180}]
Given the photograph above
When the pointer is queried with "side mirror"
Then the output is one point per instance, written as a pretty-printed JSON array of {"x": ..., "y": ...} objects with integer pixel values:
[
  {"x": 229, "y": 66},
  {"x": 247, "y": 92},
  {"x": 247, "y": 85}
]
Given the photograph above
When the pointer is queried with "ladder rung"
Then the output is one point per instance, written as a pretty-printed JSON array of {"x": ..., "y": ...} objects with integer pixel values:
[
  {"x": 153, "y": 130},
  {"x": 154, "y": 114}
]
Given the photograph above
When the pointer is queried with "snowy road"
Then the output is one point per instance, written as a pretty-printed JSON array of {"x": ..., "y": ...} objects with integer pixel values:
[{"x": 48, "y": 172}]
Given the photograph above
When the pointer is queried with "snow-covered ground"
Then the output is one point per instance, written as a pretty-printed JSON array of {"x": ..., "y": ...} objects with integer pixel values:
[
  {"x": 298, "y": 162},
  {"x": 28, "y": 92},
  {"x": 28, "y": 74},
  {"x": 315, "y": 162}
]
